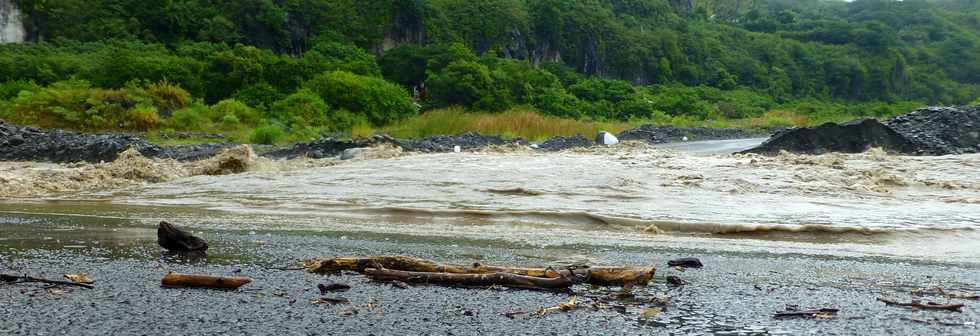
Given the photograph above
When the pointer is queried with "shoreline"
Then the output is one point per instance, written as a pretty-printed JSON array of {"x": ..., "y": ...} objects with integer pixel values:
[
  {"x": 736, "y": 293},
  {"x": 26, "y": 143}
]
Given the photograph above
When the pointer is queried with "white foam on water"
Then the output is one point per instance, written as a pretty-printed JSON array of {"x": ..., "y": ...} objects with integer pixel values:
[{"x": 871, "y": 203}]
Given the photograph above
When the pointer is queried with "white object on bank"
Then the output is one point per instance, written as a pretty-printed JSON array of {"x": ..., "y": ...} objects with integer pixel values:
[{"x": 606, "y": 139}]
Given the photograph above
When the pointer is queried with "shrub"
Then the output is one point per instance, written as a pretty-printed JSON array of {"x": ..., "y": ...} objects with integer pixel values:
[
  {"x": 190, "y": 118},
  {"x": 342, "y": 120},
  {"x": 143, "y": 118},
  {"x": 234, "y": 108},
  {"x": 261, "y": 95},
  {"x": 230, "y": 121},
  {"x": 266, "y": 135},
  {"x": 303, "y": 108},
  {"x": 67, "y": 104},
  {"x": 556, "y": 101},
  {"x": 11, "y": 89},
  {"x": 341, "y": 56},
  {"x": 168, "y": 96},
  {"x": 469, "y": 84},
  {"x": 381, "y": 102}
]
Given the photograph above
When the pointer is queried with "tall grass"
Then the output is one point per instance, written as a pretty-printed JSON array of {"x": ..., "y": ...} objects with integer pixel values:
[{"x": 517, "y": 122}]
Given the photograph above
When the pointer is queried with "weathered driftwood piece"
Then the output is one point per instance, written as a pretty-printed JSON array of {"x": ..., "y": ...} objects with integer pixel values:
[
  {"x": 943, "y": 292},
  {"x": 600, "y": 276},
  {"x": 807, "y": 313},
  {"x": 203, "y": 281},
  {"x": 24, "y": 278},
  {"x": 464, "y": 279},
  {"x": 567, "y": 306},
  {"x": 177, "y": 240},
  {"x": 919, "y": 305},
  {"x": 79, "y": 278}
]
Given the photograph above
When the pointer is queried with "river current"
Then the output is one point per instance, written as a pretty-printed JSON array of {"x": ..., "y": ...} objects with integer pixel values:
[{"x": 693, "y": 195}]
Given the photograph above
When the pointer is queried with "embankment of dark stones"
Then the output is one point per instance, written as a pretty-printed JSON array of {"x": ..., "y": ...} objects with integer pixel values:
[
  {"x": 666, "y": 134},
  {"x": 927, "y": 131}
]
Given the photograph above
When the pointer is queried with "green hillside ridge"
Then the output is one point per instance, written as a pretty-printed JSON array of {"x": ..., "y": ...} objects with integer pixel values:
[{"x": 278, "y": 70}]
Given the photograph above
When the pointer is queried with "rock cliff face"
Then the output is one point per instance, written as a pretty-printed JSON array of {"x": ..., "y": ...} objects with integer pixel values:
[
  {"x": 589, "y": 55},
  {"x": 11, "y": 26}
]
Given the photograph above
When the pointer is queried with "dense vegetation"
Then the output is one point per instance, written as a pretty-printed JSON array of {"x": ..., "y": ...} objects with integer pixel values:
[{"x": 303, "y": 67}]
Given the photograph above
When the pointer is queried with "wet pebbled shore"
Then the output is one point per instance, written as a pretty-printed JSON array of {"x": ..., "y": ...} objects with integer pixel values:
[{"x": 735, "y": 294}]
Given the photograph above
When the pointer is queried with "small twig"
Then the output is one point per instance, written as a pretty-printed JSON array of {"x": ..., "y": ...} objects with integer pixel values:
[
  {"x": 934, "y": 321},
  {"x": 287, "y": 268},
  {"x": 919, "y": 305},
  {"x": 944, "y": 293},
  {"x": 24, "y": 278}
]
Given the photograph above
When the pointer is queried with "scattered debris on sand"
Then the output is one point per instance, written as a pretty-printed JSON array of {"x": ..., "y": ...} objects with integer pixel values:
[
  {"x": 564, "y": 307},
  {"x": 11, "y": 278},
  {"x": 330, "y": 301}
]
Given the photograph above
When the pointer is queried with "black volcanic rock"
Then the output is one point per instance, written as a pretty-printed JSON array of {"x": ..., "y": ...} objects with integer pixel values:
[
  {"x": 467, "y": 142},
  {"x": 927, "y": 131},
  {"x": 177, "y": 240},
  {"x": 851, "y": 137},
  {"x": 941, "y": 130},
  {"x": 327, "y": 147},
  {"x": 664, "y": 134},
  {"x": 562, "y": 143}
]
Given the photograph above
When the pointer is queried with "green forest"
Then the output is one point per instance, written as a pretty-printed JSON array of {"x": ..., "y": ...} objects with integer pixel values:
[{"x": 277, "y": 70}]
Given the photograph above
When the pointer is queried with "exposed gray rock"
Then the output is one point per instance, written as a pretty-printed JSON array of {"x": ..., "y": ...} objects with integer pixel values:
[
  {"x": 562, "y": 143},
  {"x": 467, "y": 142},
  {"x": 927, "y": 131},
  {"x": 23, "y": 143},
  {"x": 664, "y": 134},
  {"x": 852, "y": 137},
  {"x": 327, "y": 147},
  {"x": 941, "y": 130}
]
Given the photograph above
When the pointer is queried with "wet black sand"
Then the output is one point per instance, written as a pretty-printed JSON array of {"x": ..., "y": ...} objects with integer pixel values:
[{"x": 735, "y": 294}]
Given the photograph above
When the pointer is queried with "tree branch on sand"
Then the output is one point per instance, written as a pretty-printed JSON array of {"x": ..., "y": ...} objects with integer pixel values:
[{"x": 408, "y": 269}]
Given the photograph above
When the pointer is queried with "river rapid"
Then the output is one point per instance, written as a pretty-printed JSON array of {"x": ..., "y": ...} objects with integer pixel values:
[{"x": 693, "y": 195}]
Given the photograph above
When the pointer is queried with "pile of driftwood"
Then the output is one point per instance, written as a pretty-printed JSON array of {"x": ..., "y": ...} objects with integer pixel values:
[{"x": 413, "y": 270}]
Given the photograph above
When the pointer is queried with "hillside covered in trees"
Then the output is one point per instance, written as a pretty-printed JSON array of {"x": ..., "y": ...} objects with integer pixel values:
[{"x": 308, "y": 66}]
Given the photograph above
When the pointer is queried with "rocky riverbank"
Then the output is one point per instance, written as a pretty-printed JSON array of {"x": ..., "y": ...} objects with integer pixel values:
[
  {"x": 927, "y": 131},
  {"x": 735, "y": 293},
  {"x": 24, "y": 143}
]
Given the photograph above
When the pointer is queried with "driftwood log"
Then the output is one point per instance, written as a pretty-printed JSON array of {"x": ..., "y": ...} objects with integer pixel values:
[
  {"x": 807, "y": 313},
  {"x": 462, "y": 279},
  {"x": 919, "y": 305},
  {"x": 24, "y": 278},
  {"x": 203, "y": 281},
  {"x": 177, "y": 240},
  {"x": 599, "y": 276}
]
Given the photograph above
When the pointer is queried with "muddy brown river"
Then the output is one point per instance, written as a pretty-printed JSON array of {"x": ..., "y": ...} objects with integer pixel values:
[
  {"x": 815, "y": 231},
  {"x": 683, "y": 195}
]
